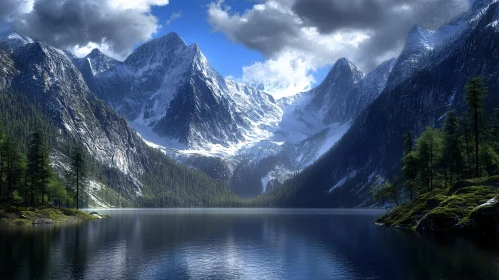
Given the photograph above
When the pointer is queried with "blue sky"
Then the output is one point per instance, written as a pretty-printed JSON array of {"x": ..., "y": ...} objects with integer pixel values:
[
  {"x": 225, "y": 56},
  {"x": 287, "y": 46}
]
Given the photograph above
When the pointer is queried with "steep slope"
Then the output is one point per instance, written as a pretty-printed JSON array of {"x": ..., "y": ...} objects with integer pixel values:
[
  {"x": 373, "y": 145},
  {"x": 417, "y": 46},
  {"x": 312, "y": 123},
  {"x": 169, "y": 93},
  {"x": 47, "y": 77},
  {"x": 368, "y": 89},
  {"x": 167, "y": 90}
]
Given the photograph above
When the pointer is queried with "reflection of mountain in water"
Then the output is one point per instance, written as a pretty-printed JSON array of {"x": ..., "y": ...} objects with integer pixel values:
[{"x": 237, "y": 244}]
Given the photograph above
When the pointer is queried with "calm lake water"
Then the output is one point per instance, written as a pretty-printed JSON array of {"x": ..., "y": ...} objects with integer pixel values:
[{"x": 240, "y": 244}]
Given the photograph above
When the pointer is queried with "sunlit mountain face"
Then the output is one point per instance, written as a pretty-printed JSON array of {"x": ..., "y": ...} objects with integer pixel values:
[
  {"x": 248, "y": 106},
  {"x": 271, "y": 139}
]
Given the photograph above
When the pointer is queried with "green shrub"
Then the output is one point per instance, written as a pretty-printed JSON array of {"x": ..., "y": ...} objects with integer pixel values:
[
  {"x": 17, "y": 198},
  {"x": 69, "y": 211},
  {"x": 11, "y": 209}
]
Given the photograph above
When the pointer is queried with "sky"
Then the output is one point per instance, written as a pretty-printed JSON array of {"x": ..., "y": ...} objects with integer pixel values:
[{"x": 286, "y": 45}]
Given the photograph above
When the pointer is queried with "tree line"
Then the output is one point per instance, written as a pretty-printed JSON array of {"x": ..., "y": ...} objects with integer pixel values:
[
  {"x": 28, "y": 179},
  {"x": 165, "y": 183},
  {"x": 465, "y": 147}
]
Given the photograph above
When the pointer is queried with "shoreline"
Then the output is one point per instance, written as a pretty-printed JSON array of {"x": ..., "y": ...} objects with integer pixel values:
[
  {"x": 18, "y": 217},
  {"x": 470, "y": 207}
]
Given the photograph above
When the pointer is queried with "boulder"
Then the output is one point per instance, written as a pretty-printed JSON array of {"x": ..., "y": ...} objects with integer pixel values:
[
  {"x": 42, "y": 221},
  {"x": 438, "y": 222},
  {"x": 486, "y": 217}
]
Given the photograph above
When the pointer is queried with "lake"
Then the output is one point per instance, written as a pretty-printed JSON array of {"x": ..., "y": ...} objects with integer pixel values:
[{"x": 240, "y": 244}]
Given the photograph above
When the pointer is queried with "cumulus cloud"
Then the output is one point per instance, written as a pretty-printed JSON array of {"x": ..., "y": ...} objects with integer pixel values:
[
  {"x": 386, "y": 21},
  {"x": 300, "y": 36},
  {"x": 283, "y": 76},
  {"x": 115, "y": 26}
]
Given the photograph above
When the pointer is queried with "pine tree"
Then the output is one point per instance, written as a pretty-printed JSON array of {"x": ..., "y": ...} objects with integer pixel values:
[
  {"x": 453, "y": 160},
  {"x": 13, "y": 167},
  {"x": 429, "y": 149},
  {"x": 38, "y": 166},
  {"x": 467, "y": 147},
  {"x": 475, "y": 93},
  {"x": 78, "y": 170},
  {"x": 409, "y": 167}
]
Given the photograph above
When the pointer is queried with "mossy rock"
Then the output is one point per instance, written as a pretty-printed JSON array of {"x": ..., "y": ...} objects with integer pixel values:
[
  {"x": 69, "y": 211},
  {"x": 438, "y": 222},
  {"x": 471, "y": 206},
  {"x": 492, "y": 181},
  {"x": 486, "y": 217},
  {"x": 433, "y": 203}
]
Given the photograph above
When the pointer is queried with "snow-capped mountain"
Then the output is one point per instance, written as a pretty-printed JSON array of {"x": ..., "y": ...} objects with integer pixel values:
[
  {"x": 124, "y": 170},
  {"x": 418, "y": 44},
  {"x": 421, "y": 42},
  {"x": 173, "y": 98},
  {"x": 312, "y": 123},
  {"x": 373, "y": 144},
  {"x": 171, "y": 95},
  {"x": 47, "y": 77},
  {"x": 176, "y": 101},
  {"x": 317, "y": 109}
]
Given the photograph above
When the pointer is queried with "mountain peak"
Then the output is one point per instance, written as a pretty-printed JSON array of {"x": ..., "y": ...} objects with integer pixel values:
[
  {"x": 343, "y": 67},
  {"x": 418, "y": 40},
  {"x": 170, "y": 39},
  {"x": 157, "y": 50},
  {"x": 95, "y": 53},
  {"x": 15, "y": 40},
  {"x": 343, "y": 62},
  {"x": 98, "y": 62}
]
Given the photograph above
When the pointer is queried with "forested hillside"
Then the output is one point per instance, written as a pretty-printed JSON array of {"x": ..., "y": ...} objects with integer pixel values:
[{"x": 165, "y": 184}]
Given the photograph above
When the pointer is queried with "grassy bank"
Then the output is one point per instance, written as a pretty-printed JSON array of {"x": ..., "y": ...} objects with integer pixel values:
[
  {"x": 470, "y": 206},
  {"x": 13, "y": 216}
]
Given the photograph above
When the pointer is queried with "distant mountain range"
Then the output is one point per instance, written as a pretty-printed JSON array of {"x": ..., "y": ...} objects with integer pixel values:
[
  {"x": 166, "y": 95},
  {"x": 170, "y": 94},
  {"x": 426, "y": 82}
]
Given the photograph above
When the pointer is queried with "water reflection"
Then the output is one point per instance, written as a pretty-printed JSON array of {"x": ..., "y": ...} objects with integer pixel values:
[{"x": 240, "y": 244}]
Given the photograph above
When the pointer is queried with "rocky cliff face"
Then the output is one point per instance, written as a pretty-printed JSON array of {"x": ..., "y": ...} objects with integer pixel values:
[
  {"x": 311, "y": 124},
  {"x": 373, "y": 144},
  {"x": 48, "y": 77},
  {"x": 170, "y": 94},
  {"x": 168, "y": 89}
]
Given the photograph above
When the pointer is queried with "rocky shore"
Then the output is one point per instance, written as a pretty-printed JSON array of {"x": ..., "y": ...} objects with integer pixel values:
[
  {"x": 469, "y": 207},
  {"x": 14, "y": 216}
]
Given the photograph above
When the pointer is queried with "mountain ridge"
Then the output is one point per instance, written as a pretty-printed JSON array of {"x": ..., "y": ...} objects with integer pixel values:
[{"x": 373, "y": 145}]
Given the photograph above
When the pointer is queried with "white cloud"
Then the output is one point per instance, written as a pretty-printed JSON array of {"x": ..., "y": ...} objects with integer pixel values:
[
  {"x": 287, "y": 74},
  {"x": 137, "y": 5},
  {"x": 293, "y": 51},
  {"x": 297, "y": 37},
  {"x": 114, "y": 26}
]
